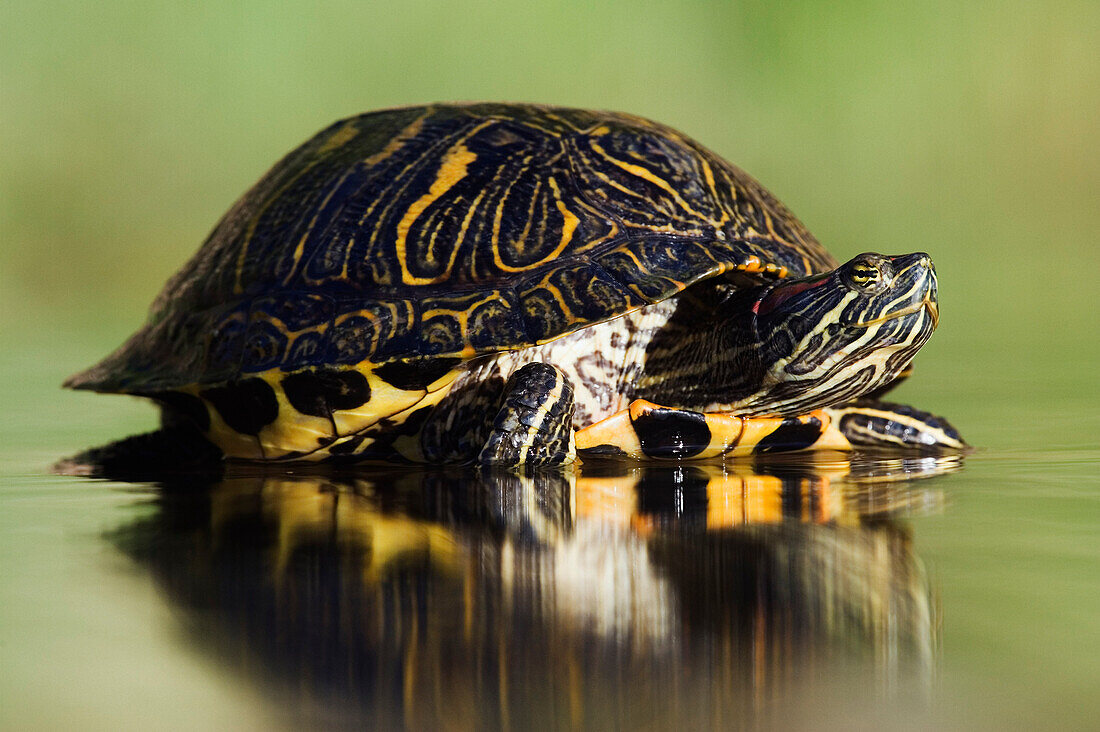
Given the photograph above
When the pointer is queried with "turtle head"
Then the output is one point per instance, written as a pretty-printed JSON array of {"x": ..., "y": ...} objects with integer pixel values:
[{"x": 830, "y": 338}]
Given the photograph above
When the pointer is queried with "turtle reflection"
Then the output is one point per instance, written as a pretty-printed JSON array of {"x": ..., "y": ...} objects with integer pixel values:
[{"x": 642, "y": 596}]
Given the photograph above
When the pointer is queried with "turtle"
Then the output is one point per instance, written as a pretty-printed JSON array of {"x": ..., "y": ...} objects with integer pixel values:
[{"x": 520, "y": 285}]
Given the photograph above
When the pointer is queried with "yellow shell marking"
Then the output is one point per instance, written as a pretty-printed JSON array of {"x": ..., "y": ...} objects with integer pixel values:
[
  {"x": 250, "y": 230},
  {"x": 339, "y": 138},
  {"x": 647, "y": 175},
  {"x": 708, "y": 176},
  {"x": 396, "y": 143},
  {"x": 453, "y": 169},
  {"x": 306, "y": 435},
  {"x": 386, "y": 401},
  {"x": 292, "y": 431},
  {"x": 300, "y": 248},
  {"x": 462, "y": 316},
  {"x": 569, "y": 225}
]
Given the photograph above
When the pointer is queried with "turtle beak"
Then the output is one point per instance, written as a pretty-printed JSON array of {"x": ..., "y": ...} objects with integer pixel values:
[
  {"x": 931, "y": 296},
  {"x": 933, "y": 312},
  {"x": 930, "y": 301}
]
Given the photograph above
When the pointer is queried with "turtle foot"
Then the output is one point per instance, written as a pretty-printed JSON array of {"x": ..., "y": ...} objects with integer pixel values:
[
  {"x": 535, "y": 423},
  {"x": 175, "y": 449},
  {"x": 873, "y": 423}
]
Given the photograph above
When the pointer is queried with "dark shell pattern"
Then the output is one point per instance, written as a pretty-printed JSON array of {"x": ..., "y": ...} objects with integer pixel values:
[{"x": 452, "y": 230}]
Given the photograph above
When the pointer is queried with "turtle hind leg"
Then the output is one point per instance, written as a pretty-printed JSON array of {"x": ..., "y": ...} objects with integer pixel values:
[
  {"x": 172, "y": 450},
  {"x": 874, "y": 423},
  {"x": 534, "y": 425}
]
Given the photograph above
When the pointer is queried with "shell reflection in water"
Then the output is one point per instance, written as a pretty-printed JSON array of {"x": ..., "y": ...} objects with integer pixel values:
[{"x": 700, "y": 596}]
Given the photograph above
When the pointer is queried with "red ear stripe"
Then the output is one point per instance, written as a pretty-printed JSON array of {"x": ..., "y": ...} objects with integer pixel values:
[{"x": 781, "y": 294}]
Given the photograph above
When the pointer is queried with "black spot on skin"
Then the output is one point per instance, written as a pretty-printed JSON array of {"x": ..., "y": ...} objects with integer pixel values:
[
  {"x": 607, "y": 450},
  {"x": 247, "y": 406},
  {"x": 319, "y": 393},
  {"x": 180, "y": 406},
  {"x": 347, "y": 446},
  {"x": 416, "y": 375},
  {"x": 792, "y": 434},
  {"x": 672, "y": 433}
]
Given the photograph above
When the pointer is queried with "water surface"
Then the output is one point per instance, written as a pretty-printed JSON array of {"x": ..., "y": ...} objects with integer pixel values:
[{"x": 805, "y": 592}]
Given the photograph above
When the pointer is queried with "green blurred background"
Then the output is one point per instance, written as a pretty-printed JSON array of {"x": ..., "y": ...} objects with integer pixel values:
[
  {"x": 966, "y": 129},
  {"x": 969, "y": 130}
]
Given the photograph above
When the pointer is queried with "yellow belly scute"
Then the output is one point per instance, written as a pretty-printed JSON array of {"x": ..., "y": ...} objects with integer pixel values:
[
  {"x": 294, "y": 435},
  {"x": 407, "y": 446},
  {"x": 292, "y": 431},
  {"x": 231, "y": 442},
  {"x": 386, "y": 401}
]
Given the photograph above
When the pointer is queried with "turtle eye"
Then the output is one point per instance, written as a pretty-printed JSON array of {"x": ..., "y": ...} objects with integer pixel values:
[{"x": 863, "y": 276}]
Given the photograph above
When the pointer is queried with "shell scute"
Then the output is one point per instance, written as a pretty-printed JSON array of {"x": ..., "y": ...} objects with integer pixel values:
[
  {"x": 377, "y": 330},
  {"x": 264, "y": 344},
  {"x": 479, "y": 318},
  {"x": 225, "y": 347},
  {"x": 309, "y": 348},
  {"x": 497, "y": 319},
  {"x": 653, "y": 266},
  {"x": 286, "y": 330},
  {"x": 452, "y": 229},
  {"x": 354, "y": 338},
  {"x": 572, "y": 296},
  {"x": 648, "y": 181}
]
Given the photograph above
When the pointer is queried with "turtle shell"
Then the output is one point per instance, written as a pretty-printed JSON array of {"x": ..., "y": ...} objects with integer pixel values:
[{"x": 453, "y": 230}]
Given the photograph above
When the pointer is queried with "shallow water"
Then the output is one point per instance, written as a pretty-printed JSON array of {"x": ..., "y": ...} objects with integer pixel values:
[{"x": 816, "y": 593}]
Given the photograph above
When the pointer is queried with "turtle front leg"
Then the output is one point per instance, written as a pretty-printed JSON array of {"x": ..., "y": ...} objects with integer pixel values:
[
  {"x": 874, "y": 423},
  {"x": 535, "y": 423},
  {"x": 647, "y": 430}
]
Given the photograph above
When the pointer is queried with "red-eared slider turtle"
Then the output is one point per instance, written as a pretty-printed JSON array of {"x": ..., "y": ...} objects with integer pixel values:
[{"x": 512, "y": 283}]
